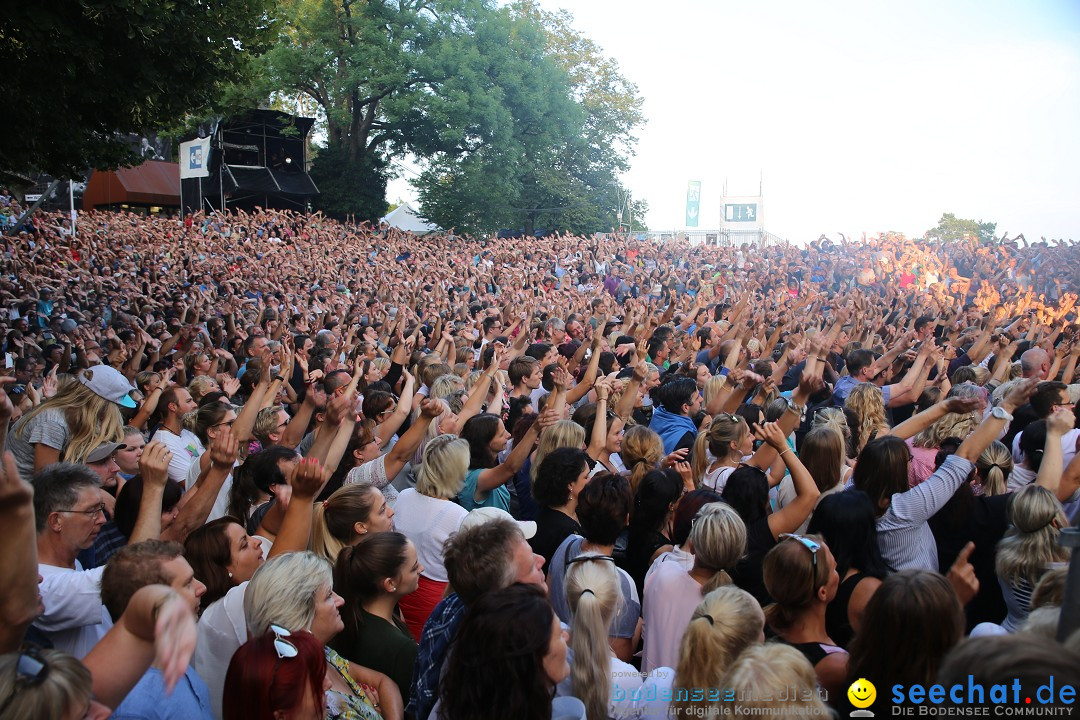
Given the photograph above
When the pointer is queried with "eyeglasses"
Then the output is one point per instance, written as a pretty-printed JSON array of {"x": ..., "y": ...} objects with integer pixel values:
[
  {"x": 92, "y": 512},
  {"x": 30, "y": 670},
  {"x": 226, "y": 424},
  {"x": 810, "y": 545},
  {"x": 283, "y": 647},
  {"x": 730, "y": 417}
]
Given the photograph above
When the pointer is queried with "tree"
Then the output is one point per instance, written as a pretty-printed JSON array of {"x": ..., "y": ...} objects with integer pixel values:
[
  {"x": 81, "y": 74},
  {"x": 951, "y": 228},
  {"x": 563, "y": 178}
]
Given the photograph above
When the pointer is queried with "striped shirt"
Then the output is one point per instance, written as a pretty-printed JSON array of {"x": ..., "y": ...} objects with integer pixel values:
[{"x": 905, "y": 539}]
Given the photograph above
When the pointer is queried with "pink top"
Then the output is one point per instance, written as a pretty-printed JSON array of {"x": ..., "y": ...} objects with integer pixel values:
[
  {"x": 922, "y": 463},
  {"x": 671, "y": 596}
]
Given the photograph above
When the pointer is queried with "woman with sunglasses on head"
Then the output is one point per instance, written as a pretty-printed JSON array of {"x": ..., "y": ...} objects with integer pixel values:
[
  {"x": 800, "y": 575},
  {"x": 295, "y": 592},
  {"x": 277, "y": 676}
]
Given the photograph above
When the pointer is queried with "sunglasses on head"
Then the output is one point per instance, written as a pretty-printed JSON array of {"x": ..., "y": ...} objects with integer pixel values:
[
  {"x": 810, "y": 545},
  {"x": 30, "y": 670}
]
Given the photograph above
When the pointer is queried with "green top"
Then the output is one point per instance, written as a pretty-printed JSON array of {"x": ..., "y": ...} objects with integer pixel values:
[{"x": 386, "y": 647}]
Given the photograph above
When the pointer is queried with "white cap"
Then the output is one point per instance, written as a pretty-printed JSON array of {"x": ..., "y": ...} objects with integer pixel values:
[{"x": 479, "y": 516}]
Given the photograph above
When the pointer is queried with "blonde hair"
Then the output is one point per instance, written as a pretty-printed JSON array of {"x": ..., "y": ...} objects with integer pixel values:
[
  {"x": 726, "y": 622},
  {"x": 724, "y": 429},
  {"x": 949, "y": 425},
  {"x": 200, "y": 386},
  {"x": 868, "y": 405},
  {"x": 445, "y": 386},
  {"x": 63, "y": 687},
  {"x": 642, "y": 451},
  {"x": 282, "y": 592},
  {"x": 564, "y": 433},
  {"x": 1032, "y": 542},
  {"x": 266, "y": 422},
  {"x": 91, "y": 420},
  {"x": 592, "y": 592},
  {"x": 822, "y": 452},
  {"x": 446, "y": 461},
  {"x": 334, "y": 521},
  {"x": 713, "y": 387},
  {"x": 719, "y": 539},
  {"x": 994, "y": 465},
  {"x": 774, "y": 678}
]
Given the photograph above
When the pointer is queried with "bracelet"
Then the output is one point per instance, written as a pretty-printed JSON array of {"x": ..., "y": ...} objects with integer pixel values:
[{"x": 786, "y": 450}]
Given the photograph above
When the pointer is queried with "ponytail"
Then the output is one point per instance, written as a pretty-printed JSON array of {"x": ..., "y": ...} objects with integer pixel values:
[{"x": 593, "y": 593}]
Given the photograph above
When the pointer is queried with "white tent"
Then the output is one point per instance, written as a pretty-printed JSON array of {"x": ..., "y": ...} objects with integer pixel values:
[{"x": 404, "y": 217}]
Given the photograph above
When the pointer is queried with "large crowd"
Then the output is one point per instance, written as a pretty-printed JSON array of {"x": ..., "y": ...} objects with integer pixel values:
[{"x": 269, "y": 465}]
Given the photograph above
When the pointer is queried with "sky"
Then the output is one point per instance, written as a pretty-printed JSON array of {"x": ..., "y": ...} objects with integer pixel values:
[{"x": 854, "y": 116}]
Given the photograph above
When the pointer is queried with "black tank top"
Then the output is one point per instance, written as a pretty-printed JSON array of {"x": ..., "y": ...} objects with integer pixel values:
[{"x": 836, "y": 613}]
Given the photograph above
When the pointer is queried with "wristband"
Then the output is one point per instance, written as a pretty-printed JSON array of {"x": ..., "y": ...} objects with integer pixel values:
[{"x": 156, "y": 609}]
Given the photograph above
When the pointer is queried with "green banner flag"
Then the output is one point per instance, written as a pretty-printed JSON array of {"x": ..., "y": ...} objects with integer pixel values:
[{"x": 693, "y": 202}]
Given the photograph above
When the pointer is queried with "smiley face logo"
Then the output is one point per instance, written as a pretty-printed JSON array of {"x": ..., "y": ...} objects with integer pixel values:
[{"x": 862, "y": 693}]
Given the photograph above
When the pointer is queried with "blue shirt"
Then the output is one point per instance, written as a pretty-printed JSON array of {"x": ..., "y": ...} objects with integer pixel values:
[
  {"x": 497, "y": 497},
  {"x": 148, "y": 700},
  {"x": 434, "y": 641}
]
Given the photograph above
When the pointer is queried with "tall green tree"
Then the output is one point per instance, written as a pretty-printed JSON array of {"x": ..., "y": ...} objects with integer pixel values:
[
  {"x": 951, "y": 228},
  {"x": 563, "y": 179},
  {"x": 78, "y": 74}
]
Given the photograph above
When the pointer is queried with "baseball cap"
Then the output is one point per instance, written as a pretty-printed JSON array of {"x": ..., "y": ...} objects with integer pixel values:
[
  {"x": 102, "y": 452},
  {"x": 479, "y": 516},
  {"x": 109, "y": 383}
]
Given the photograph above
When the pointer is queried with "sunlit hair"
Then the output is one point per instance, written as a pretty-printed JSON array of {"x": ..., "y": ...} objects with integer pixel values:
[
  {"x": 642, "y": 451},
  {"x": 592, "y": 591},
  {"x": 866, "y": 402},
  {"x": 91, "y": 420},
  {"x": 333, "y": 525},
  {"x": 713, "y": 387},
  {"x": 717, "y": 438},
  {"x": 719, "y": 539},
  {"x": 266, "y": 423},
  {"x": 822, "y": 452},
  {"x": 283, "y": 592},
  {"x": 949, "y": 425},
  {"x": 200, "y": 386},
  {"x": 726, "y": 622},
  {"x": 1032, "y": 542},
  {"x": 834, "y": 418},
  {"x": 445, "y": 386},
  {"x": 792, "y": 579},
  {"x": 563, "y": 434},
  {"x": 995, "y": 463},
  {"x": 777, "y": 679},
  {"x": 63, "y": 691},
  {"x": 446, "y": 461}
]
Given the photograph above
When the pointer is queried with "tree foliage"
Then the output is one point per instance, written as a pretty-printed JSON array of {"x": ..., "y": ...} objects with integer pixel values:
[
  {"x": 512, "y": 125},
  {"x": 951, "y": 228},
  {"x": 79, "y": 74}
]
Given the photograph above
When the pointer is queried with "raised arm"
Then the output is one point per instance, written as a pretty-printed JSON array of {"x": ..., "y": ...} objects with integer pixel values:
[
  {"x": 917, "y": 423},
  {"x": 199, "y": 500},
  {"x": 307, "y": 479},
  {"x": 1051, "y": 470},
  {"x": 157, "y": 627},
  {"x": 791, "y": 516},
  {"x": 19, "y": 603}
]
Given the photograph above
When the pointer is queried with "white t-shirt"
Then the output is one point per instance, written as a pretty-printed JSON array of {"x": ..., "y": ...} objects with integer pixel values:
[
  {"x": 428, "y": 522},
  {"x": 374, "y": 472},
  {"x": 74, "y": 619},
  {"x": 185, "y": 449},
  {"x": 222, "y": 630},
  {"x": 221, "y": 503}
]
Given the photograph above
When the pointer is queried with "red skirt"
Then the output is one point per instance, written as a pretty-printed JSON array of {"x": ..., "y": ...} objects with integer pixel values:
[{"x": 416, "y": 607}]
